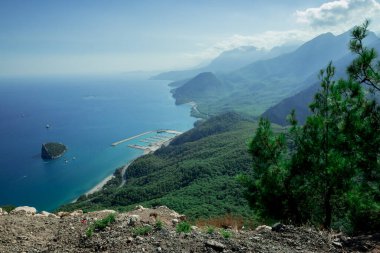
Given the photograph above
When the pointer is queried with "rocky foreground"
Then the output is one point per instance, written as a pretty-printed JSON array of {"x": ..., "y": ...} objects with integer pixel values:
[{"x": 24, "y": 230}]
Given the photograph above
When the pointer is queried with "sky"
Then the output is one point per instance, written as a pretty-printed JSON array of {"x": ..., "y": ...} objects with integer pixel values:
[{"x": 44, "y": 37}]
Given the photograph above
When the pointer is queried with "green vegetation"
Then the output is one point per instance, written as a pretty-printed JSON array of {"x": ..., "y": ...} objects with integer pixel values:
[
  {"x": 225, "y": 233},
  {"x": 210, "y": 230},
  {"x": 52, "y": 150},
  {"x": 328, "y": 171},
  {"x": 159, "y": 225},
  {"x": 195, "y": 175},
  {"x": 100, "y": 224},
  {"x": 183, "y": 227},
  {"x": 8, "y": 208},
  {"x": 142, "y": 230}
]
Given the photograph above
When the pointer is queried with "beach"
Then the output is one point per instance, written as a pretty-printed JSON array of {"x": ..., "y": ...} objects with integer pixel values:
[
  {"x": 147, "y": 150},
  {"x": 99, "y": 186}
]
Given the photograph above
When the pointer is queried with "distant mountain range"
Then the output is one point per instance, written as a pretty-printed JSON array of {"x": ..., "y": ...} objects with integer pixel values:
[
  {"x": 300, "y": 101},
  {"x": 264, "y": 83},
  {"x": 227, "y": 61}
]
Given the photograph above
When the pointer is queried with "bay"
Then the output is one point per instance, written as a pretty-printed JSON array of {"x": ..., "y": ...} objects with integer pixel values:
[{"x": 85, "y": 113}]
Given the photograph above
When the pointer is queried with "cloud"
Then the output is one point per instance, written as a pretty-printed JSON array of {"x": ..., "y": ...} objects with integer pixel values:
[
  {"x": 334, "y": 16},
  {"x": 263, "y": 41},
  {"x": 340, "y": 15}
]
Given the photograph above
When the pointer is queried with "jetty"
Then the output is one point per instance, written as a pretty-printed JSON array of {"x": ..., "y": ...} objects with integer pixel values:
[
  {"x": 131, "y": 138},
  {"x": 137, "y": 146},
  {"x": 154, "y": 142}
]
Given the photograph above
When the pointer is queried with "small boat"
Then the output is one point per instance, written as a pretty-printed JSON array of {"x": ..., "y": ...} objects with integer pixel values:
[{"x": 47, "y": 126}]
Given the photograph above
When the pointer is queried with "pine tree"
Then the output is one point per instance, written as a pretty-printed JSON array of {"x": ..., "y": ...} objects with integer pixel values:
[
  {"x": 265, "y": 189},
  {"x": 333, "y": 174}
]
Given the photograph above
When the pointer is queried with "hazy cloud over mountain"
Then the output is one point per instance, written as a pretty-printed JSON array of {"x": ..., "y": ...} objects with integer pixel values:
[{"x": 340, "y": 14}]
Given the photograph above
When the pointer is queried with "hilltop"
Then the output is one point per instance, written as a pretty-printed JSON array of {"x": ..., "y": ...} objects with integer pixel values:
[{"x": 156, "y": 230}]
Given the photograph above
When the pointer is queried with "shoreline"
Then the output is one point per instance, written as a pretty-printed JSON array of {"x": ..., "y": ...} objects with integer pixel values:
[
  {"x": 100, "y": 185},
  {"x": 147, "y": 150},
  {"x": 96, "y": 188}
]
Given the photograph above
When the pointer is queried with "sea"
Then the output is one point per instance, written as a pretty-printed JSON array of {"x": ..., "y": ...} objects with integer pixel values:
[{"x": 86, "y": 114}]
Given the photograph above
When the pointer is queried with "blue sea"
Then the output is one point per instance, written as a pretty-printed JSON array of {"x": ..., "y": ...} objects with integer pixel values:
[{"x": 87, "y": 115}]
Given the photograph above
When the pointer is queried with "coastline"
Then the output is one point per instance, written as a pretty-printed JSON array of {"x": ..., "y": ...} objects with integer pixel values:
[
  {"x": 100, "y": 185},
  {"x": 148, "y": 150}
]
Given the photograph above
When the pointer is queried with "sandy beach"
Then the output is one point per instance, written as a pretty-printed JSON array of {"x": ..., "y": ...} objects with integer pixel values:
[
  {"x": 147, "y": 150},
  {"x": 99, "y": 186}
]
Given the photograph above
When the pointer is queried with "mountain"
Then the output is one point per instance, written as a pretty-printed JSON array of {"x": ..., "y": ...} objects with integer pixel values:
[
  {"x": 300, "y": 101},
  {"x": 258, "y": 86},
  {"x": 227, "y": 61},
  {"x": 205, "y": 86}
]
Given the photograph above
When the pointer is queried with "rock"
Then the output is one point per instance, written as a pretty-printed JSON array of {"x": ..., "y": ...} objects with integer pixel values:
[
  {"x": 159, "y": 249},
  {"x": 263, "y": 228},
  {"x": 52, "y": 150},
  {"x": 77, "y": 213},
  {"x": 215, "y": 245},
  {"x": 161, "y": 207},
  {"x": 278, "y": 227},
  {"x": 107, "y": 211},
  {"x": 24, "y": 210},
  {"x": 45, "y": 214},
  {"x": 139, "y": 207},
  {"x": 129, "y": 239},
  {"x": 63, "y": 214},
  {"x": 175, "y": 222},
  {"x": 133, "y": 219},
  {"x": 194, "y": 228},
  {"x": 139, "y": 238}
]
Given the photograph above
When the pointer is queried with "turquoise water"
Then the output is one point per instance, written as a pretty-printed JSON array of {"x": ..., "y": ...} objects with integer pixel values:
[{"x": 87, "y": 115}]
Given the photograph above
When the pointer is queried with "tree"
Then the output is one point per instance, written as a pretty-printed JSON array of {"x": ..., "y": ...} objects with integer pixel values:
[
  {"x": 333, "y": 174},
  {"x": 363, "y": 69},
  {"x": 265, "y": 189},
  {"x": 336, "y": 163}
]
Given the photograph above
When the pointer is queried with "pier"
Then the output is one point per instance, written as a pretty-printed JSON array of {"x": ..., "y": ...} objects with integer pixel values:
[
  {"x": 137, "y": 147},
  {"x": 130, "y": 138},
  {"x": 154, "y": 142}
]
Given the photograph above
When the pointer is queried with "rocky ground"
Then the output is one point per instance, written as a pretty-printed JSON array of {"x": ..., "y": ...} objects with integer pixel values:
[{"x": 23, "y": 230}]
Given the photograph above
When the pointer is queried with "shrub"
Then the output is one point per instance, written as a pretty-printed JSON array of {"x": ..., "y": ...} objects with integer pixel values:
[
  {"x": 159, "y": 225},
  {"x": 210, "y": 230},
  {"x": 184, "y": 227},
  {"x": 142, "y": 230},
  {"x": 100, "y": 224},
  {"x": 89, "y": 232},
  {"x": 225, "y": 233},
  {"x": 225, "y": 221},
  {"x": 8, "y": 208}
]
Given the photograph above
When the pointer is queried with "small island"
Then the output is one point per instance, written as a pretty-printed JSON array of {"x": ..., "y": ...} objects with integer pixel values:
[{"x": 52, "y": 150}]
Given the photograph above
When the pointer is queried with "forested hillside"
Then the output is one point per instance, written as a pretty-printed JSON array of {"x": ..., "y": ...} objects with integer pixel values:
[{"x": 195, "y": 175}]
